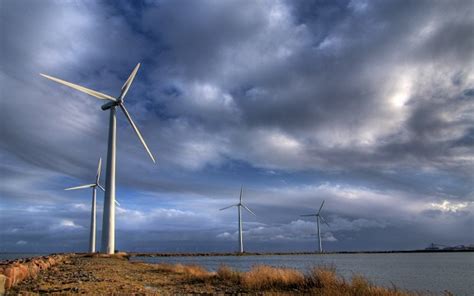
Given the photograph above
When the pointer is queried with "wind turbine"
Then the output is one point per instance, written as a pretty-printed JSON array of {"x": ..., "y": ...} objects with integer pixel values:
[
  {"x": 108, "y": 222},
  {"x": 93, "y": 209},
  {"x": 318, "y": 218},
  {"x": 239, "y": 206}
]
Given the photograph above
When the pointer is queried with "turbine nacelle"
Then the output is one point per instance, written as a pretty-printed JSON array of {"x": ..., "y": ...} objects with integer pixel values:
[
  {"x": 318, "y": 215},
  {"x": 109, "y": 105},
  {"x": 240, "y": 204},
  {"x": 111, "y": 101},
  {"x": 97, "y": 180}
]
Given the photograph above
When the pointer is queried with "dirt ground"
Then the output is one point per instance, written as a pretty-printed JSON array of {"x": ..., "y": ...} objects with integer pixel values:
[{"x": 111, "y": 276}]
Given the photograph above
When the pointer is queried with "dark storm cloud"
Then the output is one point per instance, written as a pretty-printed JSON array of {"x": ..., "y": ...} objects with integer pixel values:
[
  {"x": 365, "y": 104},
  {"x": 334, "y": 89}
]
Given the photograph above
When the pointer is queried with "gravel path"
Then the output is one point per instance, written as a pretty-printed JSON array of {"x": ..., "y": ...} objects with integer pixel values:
[{"x": 110, "y": 276}]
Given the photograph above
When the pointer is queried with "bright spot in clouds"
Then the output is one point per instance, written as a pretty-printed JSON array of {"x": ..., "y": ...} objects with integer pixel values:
[
  {"x": 401, "y": 94},
  {"x": 448, "y": 206}
]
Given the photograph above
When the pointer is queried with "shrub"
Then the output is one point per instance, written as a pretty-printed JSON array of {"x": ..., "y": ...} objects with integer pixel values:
[
  {"x": 262, "y": 277},
  {"x": 228, "y": 275}
]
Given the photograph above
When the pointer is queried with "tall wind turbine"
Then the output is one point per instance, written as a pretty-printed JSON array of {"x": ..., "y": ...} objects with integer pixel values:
[
  {"x": 318, "y": 218},
  {"x": 93, "y": 209},
  {"x": 108, "y": 222},
  {"x": 239, "y": 206}
]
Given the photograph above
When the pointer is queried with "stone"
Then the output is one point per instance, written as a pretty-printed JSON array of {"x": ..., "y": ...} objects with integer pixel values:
[
  {"x": 10, "y": 277},
  {"x": 3, "y": 280},
  {"x": 22, "y": 273}
]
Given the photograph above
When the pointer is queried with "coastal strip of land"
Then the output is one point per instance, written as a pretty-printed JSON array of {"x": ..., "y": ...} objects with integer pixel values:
[
  {"x": 106, "y": 275},
  {"x": 151, "y": 254}
]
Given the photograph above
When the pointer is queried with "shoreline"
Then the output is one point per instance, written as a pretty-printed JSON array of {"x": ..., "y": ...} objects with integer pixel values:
[
  {"x": 152, "y": 254},
  {"x": 233, "y": 254},
  {"x": 108, "y": 274}
]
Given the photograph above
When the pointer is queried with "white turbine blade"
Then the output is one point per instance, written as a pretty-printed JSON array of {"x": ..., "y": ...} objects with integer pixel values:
[
  {"x": 324, "y": 220},
  {"x": 90, "y": 92},
  {"x": 81, "y": 187},
  {"x": 100, "y": 186},
  {"x": 117, "y": 203},
  {"x": 99, "y": 167},
  {"x": 245, "y": 207},
  {"x": 308, "y": 215},
  {"x": 321, "y": 207},
  {"x": 227, "y": 207},
  {"x": 241, "y": 188},
  {"x": 135, "y": 128},
  {"x": 129, "y": 81}
]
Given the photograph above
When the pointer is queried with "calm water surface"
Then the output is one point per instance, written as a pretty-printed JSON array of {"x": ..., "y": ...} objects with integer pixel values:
[
  {"x": 11, "y": 256},
  {"x": 428, "y": 272}
]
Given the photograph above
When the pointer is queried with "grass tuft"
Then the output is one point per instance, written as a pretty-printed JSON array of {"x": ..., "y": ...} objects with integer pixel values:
[
  {"x": 229, "y": 275},
  {"x": 262, "y": 277},
  {"x": 190, "y": 271}
]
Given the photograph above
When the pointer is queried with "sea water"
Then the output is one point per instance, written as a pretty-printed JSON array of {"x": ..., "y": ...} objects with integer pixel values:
[
  {"x": 424, "y": 272},
  {"x": 12, "y": 256}
]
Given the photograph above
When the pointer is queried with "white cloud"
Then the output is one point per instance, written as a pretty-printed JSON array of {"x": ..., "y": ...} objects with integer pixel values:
[
  {"x": 160, "y": 219},
  {"x": 82, "y": 207},
  {"x": 449, "y": 206},
  {"x": 65, "y": 224},
  {"x": 225, "y": 235}
]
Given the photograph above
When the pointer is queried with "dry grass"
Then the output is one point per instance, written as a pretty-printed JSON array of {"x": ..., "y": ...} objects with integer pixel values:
[
  {"x": 327, "y": 282},
  {"x": 318, "y": 281},
  {"x": 323, "y": 278},
  {"x": 262, "y": 277},
  {"x": 227, "y": 274},
  {"x": 191, "y": 272}
]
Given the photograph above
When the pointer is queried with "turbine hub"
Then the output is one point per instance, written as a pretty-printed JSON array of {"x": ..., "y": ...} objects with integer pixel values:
[{"x": 109, "y": 105}]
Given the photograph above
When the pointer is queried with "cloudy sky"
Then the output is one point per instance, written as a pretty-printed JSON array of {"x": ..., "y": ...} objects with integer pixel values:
[{"x": 368, "y": 105}]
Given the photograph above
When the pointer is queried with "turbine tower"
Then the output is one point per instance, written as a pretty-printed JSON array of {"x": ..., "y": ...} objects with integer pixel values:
[
  {"x": 93, "y": 208},
  {"x": 239, "y": 206},
  {"x": 318, "y": 219},
  {"x": 108, "y": 222}
]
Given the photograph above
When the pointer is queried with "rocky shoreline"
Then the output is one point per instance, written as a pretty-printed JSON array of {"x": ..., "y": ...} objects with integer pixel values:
[{"x": 14, "y": 272}]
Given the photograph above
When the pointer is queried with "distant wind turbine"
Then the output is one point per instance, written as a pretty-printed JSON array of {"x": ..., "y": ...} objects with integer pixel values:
[
  {"x": 108, "y": 222},
  {"x": 239, "y": 206},
  {"x": 318, "y": 218},
  {"x": 93, "y": 209}
]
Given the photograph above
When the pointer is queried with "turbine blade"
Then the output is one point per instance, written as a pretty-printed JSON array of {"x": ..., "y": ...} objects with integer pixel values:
[
  {"x": 321, "y": 207},
  {"x": 241, "y": 188},
  {"x": 81, "y": 187},
  {"x": 135, "y": 128},
  {"x": 100, "y": 186},
  {"x": 99, "y": 168},
  {"x": 324, "y": 220},
  {"x": 227, "y": 207},
  {"x": 308, "y": 215},
  {"x": 117, "y": 203},
  {"x": 245, "y": 207},
  {"x": 129, "y": 81},
  {"x": 90, "y": 92}
]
